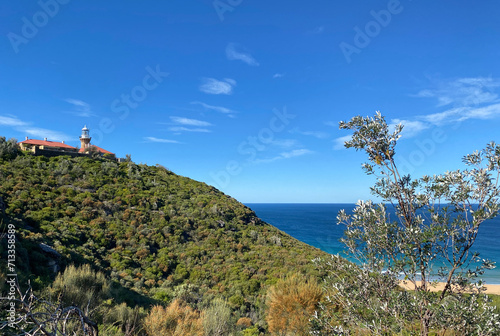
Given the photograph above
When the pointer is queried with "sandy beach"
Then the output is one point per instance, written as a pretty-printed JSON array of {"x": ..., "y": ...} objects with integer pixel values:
[{"x": 490, "y": 289}]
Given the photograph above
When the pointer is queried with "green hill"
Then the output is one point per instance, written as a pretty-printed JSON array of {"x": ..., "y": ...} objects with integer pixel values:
[{"x": 153, "y": 233}]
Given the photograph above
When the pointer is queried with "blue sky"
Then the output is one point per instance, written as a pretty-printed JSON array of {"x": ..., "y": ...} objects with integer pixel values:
[{"x": 247, "y": 95}]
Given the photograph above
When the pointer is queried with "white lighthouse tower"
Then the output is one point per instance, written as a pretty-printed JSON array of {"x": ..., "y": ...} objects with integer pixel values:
[{"x": 85, "y": 138}]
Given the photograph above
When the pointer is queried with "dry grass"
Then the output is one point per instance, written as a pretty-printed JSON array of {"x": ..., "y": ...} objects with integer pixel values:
[
  {"x": 177, "y": 319},
  {"x": 291, "y": 303}
]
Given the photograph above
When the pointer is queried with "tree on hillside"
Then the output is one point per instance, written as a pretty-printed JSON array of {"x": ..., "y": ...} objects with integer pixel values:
[
  {"x": 436, "y": 222},
  {"x": 8, "y": 148}
]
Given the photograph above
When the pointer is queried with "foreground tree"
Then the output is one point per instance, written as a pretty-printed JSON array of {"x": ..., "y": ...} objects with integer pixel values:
[
  {"x": 34, "y": 316},
  {"x": 434, "y": 224}
]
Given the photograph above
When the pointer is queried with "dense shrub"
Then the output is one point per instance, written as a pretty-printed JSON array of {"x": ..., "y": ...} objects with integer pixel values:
[
  {"x": 178, "y": 319},
  {"x": 8, "y": 148},
  {"x": 217, "y": 319},
  {"x": 80, "y": 286},
  {"x": 291, "y": 303}
]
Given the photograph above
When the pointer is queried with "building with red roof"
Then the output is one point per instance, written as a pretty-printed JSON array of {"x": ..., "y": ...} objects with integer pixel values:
[
  {"x": 94, "y": 148},
  {"x": 53, "y": 148},
  {"x": 33, "y": 144}
]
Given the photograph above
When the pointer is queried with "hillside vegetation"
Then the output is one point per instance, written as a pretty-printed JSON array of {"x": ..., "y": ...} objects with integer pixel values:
[{"x": 155, "y": 235}]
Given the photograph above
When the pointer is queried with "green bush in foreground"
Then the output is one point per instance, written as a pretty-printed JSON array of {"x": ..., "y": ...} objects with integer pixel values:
[
  {"x": 80, "y": 286},
  {"x": 436, "y": 224}
]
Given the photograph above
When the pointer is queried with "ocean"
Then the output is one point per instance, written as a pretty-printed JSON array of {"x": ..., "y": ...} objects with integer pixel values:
[{"x": 315, "y": 224}]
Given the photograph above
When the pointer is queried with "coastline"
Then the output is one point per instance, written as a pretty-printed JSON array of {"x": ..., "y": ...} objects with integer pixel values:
[
  {"x": 490, "y": 289},
  {"x": 315, "y": 225}
]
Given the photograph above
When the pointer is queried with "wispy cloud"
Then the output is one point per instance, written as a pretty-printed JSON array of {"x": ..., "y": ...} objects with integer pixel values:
[
  {"x": 332, "y": 123},
  {"x": 190, "y": 122},
  {"x": 460, "y": 114},
  {"x": 158, "y": 140},
  {"x": 233, "y": 54},
  {"x": 285, "y": 155},
  {"x": 182, "y": 124},
  {"x": 461, "y": 99},
  {"x": 278, "y": 75},
  {"x": 486, "y": 112},
  {"x": 317, "y": 30},
  {"x": 444, "y": 117},
  {"x": 295, "y": 153},
  {"x": 338, "y": 143},
  {"x": 220, "y": 109},
  {"x": 214, "y": 86},
  {"x": 470, "y": 91},
  {"x": 464, "y": 98},
  {"x": 180, "y": 129},
  {"x": 315, "y": 134},
  {"x": 46, "y": 133},
  {"x": 411, "y": 127},
  {"x": 29, "y": 130},
  {"x": 11, "y": 121},
  {"x": 284, "y": 143},
  {"x": 80, "y": 108}
]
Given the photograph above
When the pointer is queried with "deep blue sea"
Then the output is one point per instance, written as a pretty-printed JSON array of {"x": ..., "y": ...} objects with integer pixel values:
[{"x": 315, "y": 224}]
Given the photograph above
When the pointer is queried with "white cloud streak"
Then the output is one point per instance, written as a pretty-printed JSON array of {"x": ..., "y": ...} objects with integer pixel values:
[
  {"x": 189, "y": 125},
  {"x": 179, "y": 129},
  {"x": 295, "y": 153},
  {"x": 465, "y": 98},
  {"x": 285, "y": 155},
  {"x": 460, "y": 114},
  {"x": 411, "y": 127},
  {"x": 318, "y": 30},
  {"x": 158, "y": 140},
  {"x": 29, "y": 130},
  {"x": 233, "y": 54},
  {"x": 471, "y": 91},
  {"x": 315, "y": 134},
  {"x": 338, "y": 143},
  {"x": 11, "y": 121},
  {"x": 46, "y": 133},
  {"x": 214, "y": 86},
  {"x": 220, "y": 109},
  {"x": 284, "y": 143},
  {"x": 80, "y": 108},
  {"x": 190, "y": 122}
]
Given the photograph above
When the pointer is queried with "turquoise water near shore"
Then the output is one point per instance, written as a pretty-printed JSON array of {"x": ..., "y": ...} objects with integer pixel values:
[{"x": 315, "y": 224}]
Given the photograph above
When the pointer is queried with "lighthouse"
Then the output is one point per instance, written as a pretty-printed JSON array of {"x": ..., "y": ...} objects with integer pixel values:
[{"x": 85, "y": 138}]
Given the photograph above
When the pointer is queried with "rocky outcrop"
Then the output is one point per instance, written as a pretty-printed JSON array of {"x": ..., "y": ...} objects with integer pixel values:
[{"x": 53, "y": 256}]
